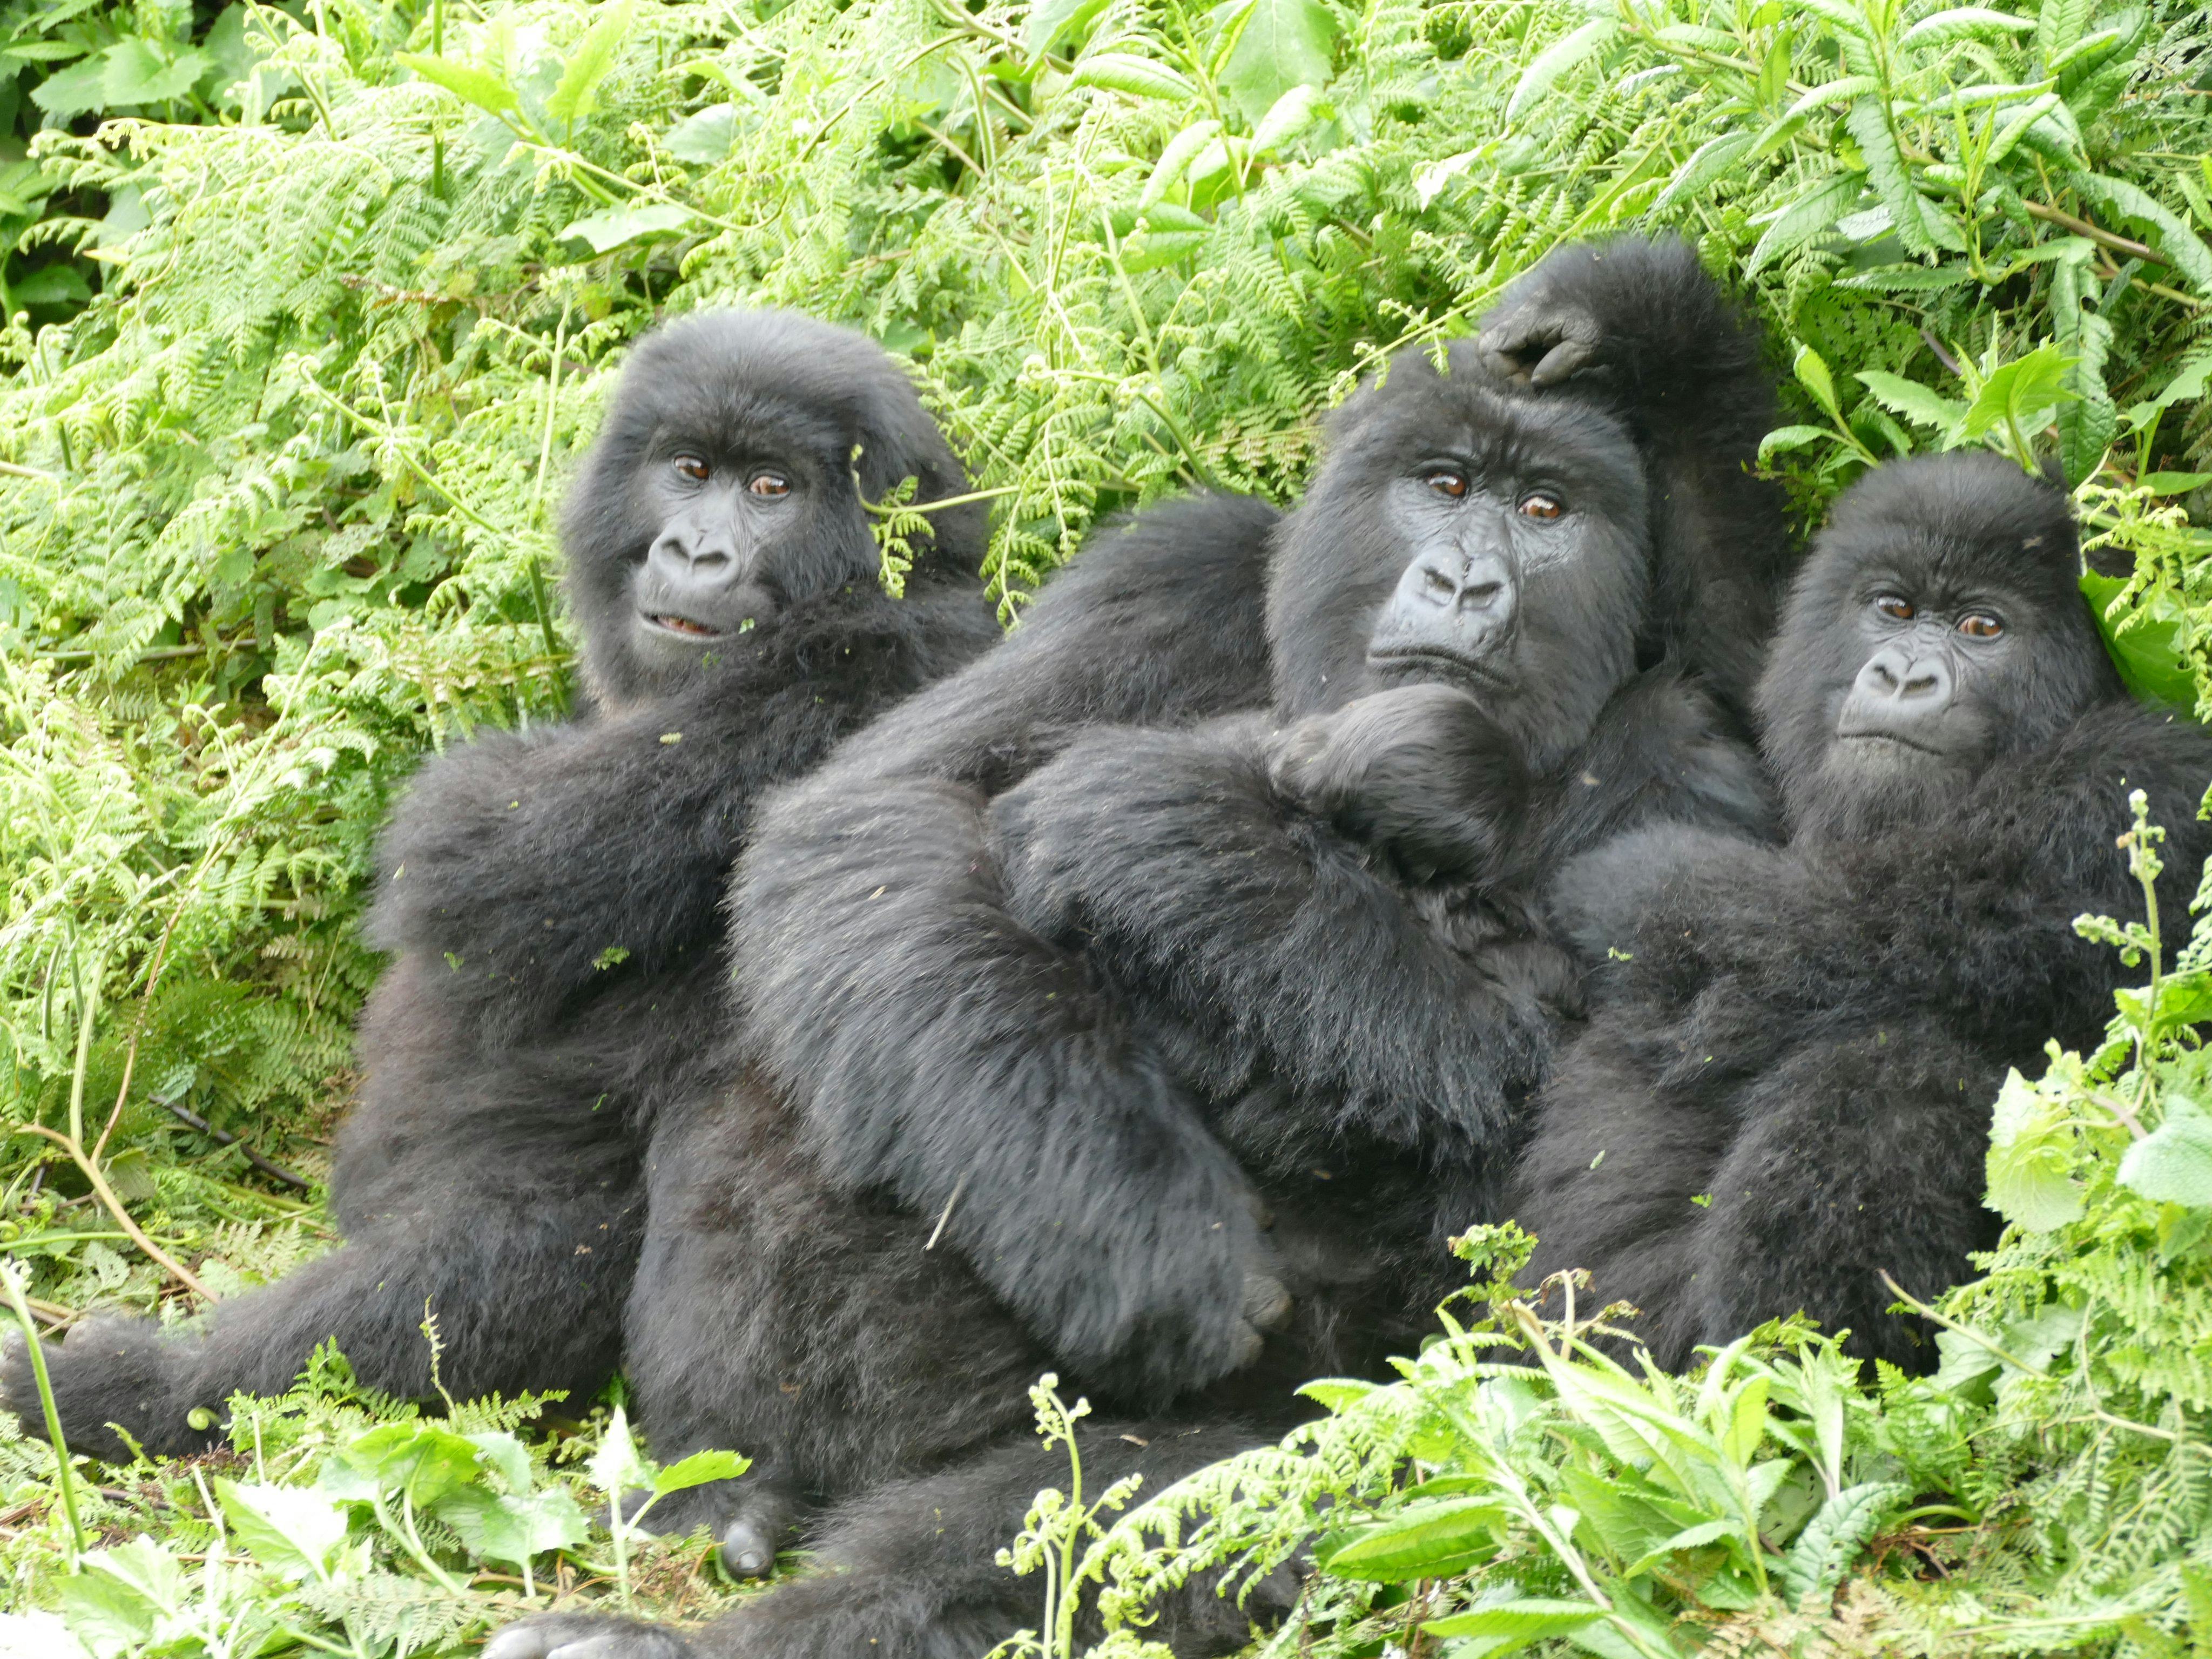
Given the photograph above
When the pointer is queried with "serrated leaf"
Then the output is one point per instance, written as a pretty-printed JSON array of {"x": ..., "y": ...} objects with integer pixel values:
[
  {"x": 613, "y": 227},
  {"x": 1284, "y": 44},
  {"x": 1747, "y": 1425},
  {"x": 1137, "y": 77},
  {"x": 2023, "y": 394},
  {"x": 1173, "y": 158},
  {"x": 1286, "y": 118},
  {"x": 1811, "y": 370},
  {"x": 697, "y": 1470},
  {"x": 514, "y": 1529},
  {"x": 2030, "y": 1164},
  {"x": 471, "y": 85},
  {"x": 1425, "y": 1539},
  {"x": 292, "y": 1530},
  {"x": 1517, "y": 1623},
  {"x": 81, "y": 89},
  {"x": 704, "y": 137},
  {"x": 2172, "y": 1165},
  {"x": 1915, "y": 402},
  {"x": 577, "y": 94},
  {"x": 1545, "y": 69},
  {"x": 1052, "y": 19},
  {"x": 1868, "y": 123},
  {"x": 1963, "y": 23},
  {"x": 1790, "y": 437},
  {"x": 2180, "y": 246},
  {"x": 617, "y": 1466},
  {"x": 1816, "y": 208},
  {"x": 1823, "y": 1552},
  {"x": 1841, "y": 15},
  {"x": 132, "y": 72},
  {"x": 1707, "y": 162}
]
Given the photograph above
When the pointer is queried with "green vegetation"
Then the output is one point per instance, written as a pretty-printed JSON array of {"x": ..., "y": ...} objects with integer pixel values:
[{"x": 302, "y": 337}]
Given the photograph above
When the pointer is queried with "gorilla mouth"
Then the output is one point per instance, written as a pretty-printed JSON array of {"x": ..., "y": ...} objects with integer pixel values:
[
  {"x": 1875, "y": 736},
  {"x": 667, "y": 622},
  {"x": 1432, "y": 661}
]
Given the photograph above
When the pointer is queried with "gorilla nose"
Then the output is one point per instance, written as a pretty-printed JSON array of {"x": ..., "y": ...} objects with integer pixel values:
[
  {"x": 1900, "y": 678},
  {"x": 694, "y": 558},
  {"x": 1478, "y": 588}
]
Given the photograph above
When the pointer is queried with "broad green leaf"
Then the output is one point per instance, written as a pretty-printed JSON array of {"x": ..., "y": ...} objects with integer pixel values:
[
  {"x": 514, "y": 1529},
  {"x": 109, "y": 1616},
  {"x": 1811, "y": 372},
  {"x": 2081, "y": 60},
  {"x": 419, "y": 1461},
  {"x": 2172, "y": 1165},
  {"x": 1707, "y": 162},
  {"x": 1915, "y": 402},
  {"x": 81, "y": 89},
  {"x": 1814, "y": 210},
  {"x": 1791, "y": 437},
  {"x": 613, "y": 227},
  {"x": 1841, "y": 15},
  {"x": 1427, "y": 1539},
  {"x": 1286, "y": 43},
  {"x": 1833, "y": 1539},
  {"x": 704, "y": 137},
  {"x": 1137, "y": 77},
  {"x": 1986, "y": 95},
  {"x": 487, "y": 92},
  {"x": 697, "y": 1470},
  {"x": 1868, "y": 122},
  {"x": 2174, "y": 483},
  {"x": 2030, "y": 1156},
  {"x": 505, "y": 1455},
  {"x": 1519, "y": 1622},
  {"x": 1336, "y": 1394},
  {"x": 1286, "y": 118},
  {"x": 1051, "y": 19},
  {"x": 1545, "y": 69},
  {"x": 2023, "y": 394},
  {"x": 1963, "y": 23},
  {"x": 577, "y": 94},
  {"x": 1173, "y": 158},
  {"x": 292, "y": 1530},
  {"x": 1706, "y": 1532},
  {"x": 2058, "y": 24},
  {"x": 134, "y": 73},
  {"x": 2181, "y": 246},
  {"x": 1747, "y": 1425}
]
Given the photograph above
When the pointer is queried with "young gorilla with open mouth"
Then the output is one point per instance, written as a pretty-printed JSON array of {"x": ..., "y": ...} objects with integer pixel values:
[
  {"x": 551, "y": 899},
  {"x": 1784, "y": 1091}
]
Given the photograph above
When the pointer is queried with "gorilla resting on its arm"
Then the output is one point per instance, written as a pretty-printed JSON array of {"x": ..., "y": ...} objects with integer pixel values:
[
  {"x": 552, "y": 899},
  {"x": 1812, "y": 1035},
  {"x": 1482, "y": 551}
]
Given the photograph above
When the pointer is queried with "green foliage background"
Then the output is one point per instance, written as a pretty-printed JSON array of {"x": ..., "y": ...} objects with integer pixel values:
[{"x": 313, "y": 304}]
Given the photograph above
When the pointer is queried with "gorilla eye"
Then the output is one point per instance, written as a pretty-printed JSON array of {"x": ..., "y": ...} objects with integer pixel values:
[
  {"x": 770, "y": 484},
  {"x": 1447, "y": 482},
  {"x": 694, "y": 469},
  {"x": 1980, "y": 626},
  {"x": 1890, "y": 605},
  {"x": 1541, "y": 504}
]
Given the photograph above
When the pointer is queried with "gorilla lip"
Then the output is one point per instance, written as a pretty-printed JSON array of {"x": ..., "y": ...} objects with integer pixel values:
[
  {"x": 1875, "y": 736},
  {"x": 1431, "y": 657},
  {"x": 669, "y": 623}
]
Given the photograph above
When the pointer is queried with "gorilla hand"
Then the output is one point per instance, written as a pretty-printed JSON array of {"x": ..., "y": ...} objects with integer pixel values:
[
  {"x": 586, "y": 1636},
  {"x": 1418, "y": 772},
  {"x": 1539, "y": 338}
]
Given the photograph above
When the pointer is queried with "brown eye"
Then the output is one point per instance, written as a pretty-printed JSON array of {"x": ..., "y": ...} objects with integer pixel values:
[
  {"x": 694, "y": 469},
  {"x": 1541, "y": 504},
  {"x": 770, "y": 484},
  {"x": 1890, "y": 605},
  {"x": 1446, "y": 482},
  {"x": 1980, "y": 626}
]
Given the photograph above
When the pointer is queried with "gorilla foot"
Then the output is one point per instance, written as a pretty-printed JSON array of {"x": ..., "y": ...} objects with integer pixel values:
[
  {"x": 586, "y": 1636},
  {"x": 120, "y": 1371},
  {"x": 752, "y": 1519}
]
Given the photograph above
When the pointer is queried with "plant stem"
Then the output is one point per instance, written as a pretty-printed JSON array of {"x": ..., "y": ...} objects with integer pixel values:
[{"x": 64, "y": 1475}]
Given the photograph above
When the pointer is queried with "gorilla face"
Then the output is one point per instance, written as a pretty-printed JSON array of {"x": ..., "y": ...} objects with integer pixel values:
[
  {"x": 720, "y": 495},
  {"x": 1463, "y": 534},
  {"x": 1937, "y": 627}
]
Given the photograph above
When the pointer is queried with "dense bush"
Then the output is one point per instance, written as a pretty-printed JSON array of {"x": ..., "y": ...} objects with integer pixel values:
[{"x": 276, "y": 500}]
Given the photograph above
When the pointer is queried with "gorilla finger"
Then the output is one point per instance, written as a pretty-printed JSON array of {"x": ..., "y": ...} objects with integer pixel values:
[
  {"x": 1263, "y": 1218},
  {"x": 749, "y": 1546},
  {"x": 1564, "y": 359},
  {"x": 572, "y": 1635},
  {"x": 1266, "y": 1303}
]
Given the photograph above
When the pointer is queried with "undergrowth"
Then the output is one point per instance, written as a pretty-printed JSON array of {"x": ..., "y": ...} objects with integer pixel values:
[{"x": 278, "y": 472}]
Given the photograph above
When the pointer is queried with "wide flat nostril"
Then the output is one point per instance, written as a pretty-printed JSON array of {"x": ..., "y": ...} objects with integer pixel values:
[{"x": 1480, "y": 596}]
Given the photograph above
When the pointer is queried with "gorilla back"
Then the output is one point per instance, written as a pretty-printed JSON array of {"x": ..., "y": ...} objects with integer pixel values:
[
  {"x": 552, "y": 899},
  {"x": 1809, "y": 1038}
]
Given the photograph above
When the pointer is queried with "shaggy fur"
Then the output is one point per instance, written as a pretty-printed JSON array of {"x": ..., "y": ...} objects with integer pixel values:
[
  {"x": 1040, "y": 998},
  {"x": 1812, "y": 1036},
  {"x": 490, "y": 1173}
]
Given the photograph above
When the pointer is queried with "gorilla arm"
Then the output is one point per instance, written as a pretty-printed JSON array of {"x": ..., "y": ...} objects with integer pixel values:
[
  {"x": 1959, "y": 911},
  {"x": 936, "y": 1046},
  {"x": 534, "y": 865},
  {"x": 1637, "y": 327}
]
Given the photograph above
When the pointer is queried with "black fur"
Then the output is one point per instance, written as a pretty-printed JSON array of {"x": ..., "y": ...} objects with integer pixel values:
[
  {"x": 1812, "y": 1035},
  {"x": 1032, "y": 985},
  {"x": 490, "y": 1171}
]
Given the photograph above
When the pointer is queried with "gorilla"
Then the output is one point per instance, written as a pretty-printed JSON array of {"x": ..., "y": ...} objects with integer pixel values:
[
  {"x": 550, "y": 899},
  {"x": 1784, "y": 1091},
  {"x": 1063, "y": 1026}
]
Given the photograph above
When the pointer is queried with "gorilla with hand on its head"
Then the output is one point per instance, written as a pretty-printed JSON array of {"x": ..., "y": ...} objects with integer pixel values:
[
  {"x": 1809, "y": 1036},
  {"x": 551, "y": 899},
  {"x": 1119, "y": 1001}
]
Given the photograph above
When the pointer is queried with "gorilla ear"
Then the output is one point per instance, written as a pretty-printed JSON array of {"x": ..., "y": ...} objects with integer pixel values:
[{"x": 899, "y": 439}]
